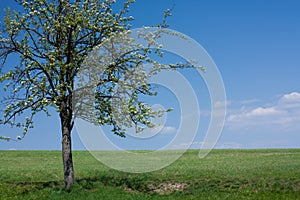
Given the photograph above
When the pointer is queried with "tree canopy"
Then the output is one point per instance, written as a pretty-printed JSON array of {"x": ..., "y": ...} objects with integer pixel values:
[{"x": 52, "y": 39}]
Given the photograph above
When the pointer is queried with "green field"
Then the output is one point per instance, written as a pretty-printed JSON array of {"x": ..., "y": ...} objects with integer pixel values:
[{"x": 223, "y": 174}]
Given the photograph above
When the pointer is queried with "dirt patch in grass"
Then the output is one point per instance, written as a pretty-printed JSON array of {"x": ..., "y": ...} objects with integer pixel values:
[{"x": 167, "y": 188}]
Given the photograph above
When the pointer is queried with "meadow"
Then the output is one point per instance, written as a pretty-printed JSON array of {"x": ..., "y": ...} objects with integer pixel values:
[{"x": 223, "y": 174}]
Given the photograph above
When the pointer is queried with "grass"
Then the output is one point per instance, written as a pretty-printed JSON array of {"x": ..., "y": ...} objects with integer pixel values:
[{"x": 223, "y": 174}]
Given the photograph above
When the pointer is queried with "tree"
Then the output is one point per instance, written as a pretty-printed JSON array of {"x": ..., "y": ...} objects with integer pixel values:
[{"x": 52, "y": 40}]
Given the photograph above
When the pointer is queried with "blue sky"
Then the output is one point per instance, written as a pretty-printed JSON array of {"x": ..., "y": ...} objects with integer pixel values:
[{"x": 255, "y": 45}]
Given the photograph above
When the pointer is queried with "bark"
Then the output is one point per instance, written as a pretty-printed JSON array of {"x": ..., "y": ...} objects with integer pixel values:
[{"x": 67, "y": 148}]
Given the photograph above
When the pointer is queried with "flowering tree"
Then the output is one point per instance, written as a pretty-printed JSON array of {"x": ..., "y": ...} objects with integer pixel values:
[{"x": 52, "y": 39}]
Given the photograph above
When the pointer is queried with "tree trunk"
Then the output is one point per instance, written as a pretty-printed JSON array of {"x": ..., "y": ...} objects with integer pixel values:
[{"x": 67, "y": 149}]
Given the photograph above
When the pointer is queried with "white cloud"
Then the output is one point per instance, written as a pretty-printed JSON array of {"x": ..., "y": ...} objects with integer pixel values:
[
  {"x": 198, "y": 145},
  {"x": 168, "y": 130},
  {"x": 186, "y": 145},
  {"x": 229, "y": 145},
  {"x": 284, "y": 115},
  {"x": 290, "y": 101},
  {"x": 293, "y": 97},
  {"x": 264, "y": 112},
  {"x": 255, "y": 113}
]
